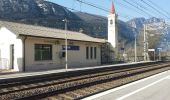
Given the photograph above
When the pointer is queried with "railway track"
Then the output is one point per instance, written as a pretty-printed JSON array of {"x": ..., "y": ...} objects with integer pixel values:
[{"x": 76, "y": 85}]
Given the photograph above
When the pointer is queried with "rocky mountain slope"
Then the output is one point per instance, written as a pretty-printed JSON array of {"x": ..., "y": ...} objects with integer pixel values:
[
  {"x": 156, "y": 27},
  {"x": 44, "y": 13},
  {"x": 37, "y": 12}
]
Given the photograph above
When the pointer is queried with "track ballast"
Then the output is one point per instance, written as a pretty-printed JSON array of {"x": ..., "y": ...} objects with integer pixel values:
[{"x": 77, "y": 84}]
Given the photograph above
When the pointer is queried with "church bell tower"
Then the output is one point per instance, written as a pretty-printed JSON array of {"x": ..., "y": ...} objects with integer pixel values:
[{"x": 112, "y": 32}]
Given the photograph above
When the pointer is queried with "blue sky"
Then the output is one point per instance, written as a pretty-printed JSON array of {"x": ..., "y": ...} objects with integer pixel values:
[{"x": 123, "y": 9}]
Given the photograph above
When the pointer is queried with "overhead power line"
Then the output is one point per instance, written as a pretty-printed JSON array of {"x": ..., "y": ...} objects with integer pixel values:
[
  {"x": 93, "y": 5},
  {"x": 140, "y": 5},
  {"x": 159, "y": 7},
  {"x": 155, "y": 9},
  {"x": 125, "y": 6},
  {"x": 84, "y": 12},
  {"x": 100, "y": 8},
  {"x": 138, "y": 8},
  {"x": 145, "y": 7}
]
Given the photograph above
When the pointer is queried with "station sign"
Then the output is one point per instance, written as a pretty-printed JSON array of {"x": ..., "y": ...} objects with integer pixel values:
[
  {"x": 151, "y": 49},
  {"x": 159, "y": 49},
  {"x": 122, "y": 49},
  {"x": 71, "y": 47}
]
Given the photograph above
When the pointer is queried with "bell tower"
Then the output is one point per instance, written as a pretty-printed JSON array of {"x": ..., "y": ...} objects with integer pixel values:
[{"x": 112, "y": 33}]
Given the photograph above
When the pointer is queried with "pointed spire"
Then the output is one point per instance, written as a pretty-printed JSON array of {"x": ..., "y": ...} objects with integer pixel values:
[{"x": 112, "y": 10}]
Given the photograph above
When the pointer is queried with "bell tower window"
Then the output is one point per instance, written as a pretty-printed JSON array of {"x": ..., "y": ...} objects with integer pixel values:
[{"x": 111, "y": 22}]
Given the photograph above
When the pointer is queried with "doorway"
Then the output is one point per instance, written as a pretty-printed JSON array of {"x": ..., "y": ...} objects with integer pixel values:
[{"x": 12, "y": 56}]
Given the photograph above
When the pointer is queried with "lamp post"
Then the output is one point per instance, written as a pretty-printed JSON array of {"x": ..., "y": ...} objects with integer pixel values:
[
  {"x": 135, "y": 49},
  {"x": 66, "y": 56}
]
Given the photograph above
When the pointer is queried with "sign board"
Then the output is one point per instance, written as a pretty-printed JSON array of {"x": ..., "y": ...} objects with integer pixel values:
[
  {"x": 122, "y": 49},
  {"x": 151, "y": 49},
  {"x": 159, "y": 49},
  {"x": 71, "y": 47}
]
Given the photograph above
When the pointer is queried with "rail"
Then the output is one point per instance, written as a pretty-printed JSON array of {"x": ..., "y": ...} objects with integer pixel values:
[{"x": 76, "y": 85}]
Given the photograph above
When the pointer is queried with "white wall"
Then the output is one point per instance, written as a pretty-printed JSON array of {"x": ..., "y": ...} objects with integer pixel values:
[
  {"x": 4, "y": 60},
  {"x": 112, "y": 35},
  {"x": 0, "y": 52},
  {"x": 75, "y": 58},
  {"x": 18, "y": 55},
  {"x": 6, "y": 39}
]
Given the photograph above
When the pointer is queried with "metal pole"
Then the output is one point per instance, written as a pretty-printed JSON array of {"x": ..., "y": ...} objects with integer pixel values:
[
  {"x": 154, "y": 55},
  {"x": 144, "y": 43},
  {"x": 159, "y": 55},
  {"x": 135, "y": 50},
  {"x": 66, "y": 53}
]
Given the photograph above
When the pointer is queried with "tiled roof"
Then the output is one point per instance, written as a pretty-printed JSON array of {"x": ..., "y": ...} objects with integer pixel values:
[{"x": 38, "y": 31}]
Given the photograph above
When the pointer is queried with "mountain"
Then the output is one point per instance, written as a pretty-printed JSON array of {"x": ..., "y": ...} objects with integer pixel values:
[
  {"x": 126, "y": 32},
  {"x": 154, "y": 20},
  {"x": 44, "y": 13},
  {"x": 95, "y": 24},
  {"x": 26, "y": 9},
  {"x": 37, "y": 12},
  {"x": 48, "y": 14},
  {"x": 139, "y": 22},
  {"x": 136, "y": 22},
  {"x": 157, "y": 29}
]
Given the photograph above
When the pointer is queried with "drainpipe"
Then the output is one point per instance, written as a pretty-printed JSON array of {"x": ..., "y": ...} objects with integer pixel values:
[{"x": 23, "y": 42}]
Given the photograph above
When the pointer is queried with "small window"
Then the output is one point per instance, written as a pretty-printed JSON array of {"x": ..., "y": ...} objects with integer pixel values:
[
  {"x": 43, "y": 52},
  {"x": 91, "y": 52},
  {"x": 87, "y": 52},
  {"x": 95, "y": 52},
  {"x": 64, "y": 54},
  {"x": 111, "y": 22}
]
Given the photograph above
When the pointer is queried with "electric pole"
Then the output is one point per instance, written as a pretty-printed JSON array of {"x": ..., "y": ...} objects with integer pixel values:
[
  {"x": 135, "y": 49},
  {"x": 144, "y": 27},
  {"x": 66, "y": 46}
]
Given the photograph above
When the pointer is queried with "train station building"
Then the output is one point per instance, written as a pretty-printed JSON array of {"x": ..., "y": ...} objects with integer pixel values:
[{"x": 32, "y": 48}]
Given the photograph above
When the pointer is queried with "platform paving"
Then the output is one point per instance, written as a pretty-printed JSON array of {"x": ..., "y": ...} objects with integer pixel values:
[
  {"x": 155, "y": 87},
  {"x": 12, "y": 74}
]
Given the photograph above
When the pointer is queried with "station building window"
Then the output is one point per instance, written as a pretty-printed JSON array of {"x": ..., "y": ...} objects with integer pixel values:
[
  {"x": 95, "y": 52},
  {"x": 87, "y": 52},
  {"x": 91, "y": 52},
  {"x": 43, "y": 52}
]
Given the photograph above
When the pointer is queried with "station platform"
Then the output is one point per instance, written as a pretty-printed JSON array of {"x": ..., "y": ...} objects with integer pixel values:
[
  {"x": 155, "y": 87},
  {"x": 3, "y": 72},
  {"x": 14, "y": 75}
]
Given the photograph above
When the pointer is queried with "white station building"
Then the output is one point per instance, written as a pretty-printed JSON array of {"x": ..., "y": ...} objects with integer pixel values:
[{"x": 32, "y": 48}]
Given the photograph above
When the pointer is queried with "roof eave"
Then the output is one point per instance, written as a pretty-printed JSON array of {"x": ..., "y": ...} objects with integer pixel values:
[{"x": 61, "y": 38}]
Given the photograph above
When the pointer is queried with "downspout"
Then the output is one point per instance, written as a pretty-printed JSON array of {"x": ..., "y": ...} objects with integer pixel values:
[{"x": 23, "y": 41}]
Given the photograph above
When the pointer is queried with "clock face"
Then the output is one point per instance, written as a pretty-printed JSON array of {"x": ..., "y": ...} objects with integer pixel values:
[{"x": 111, "y": 22}]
